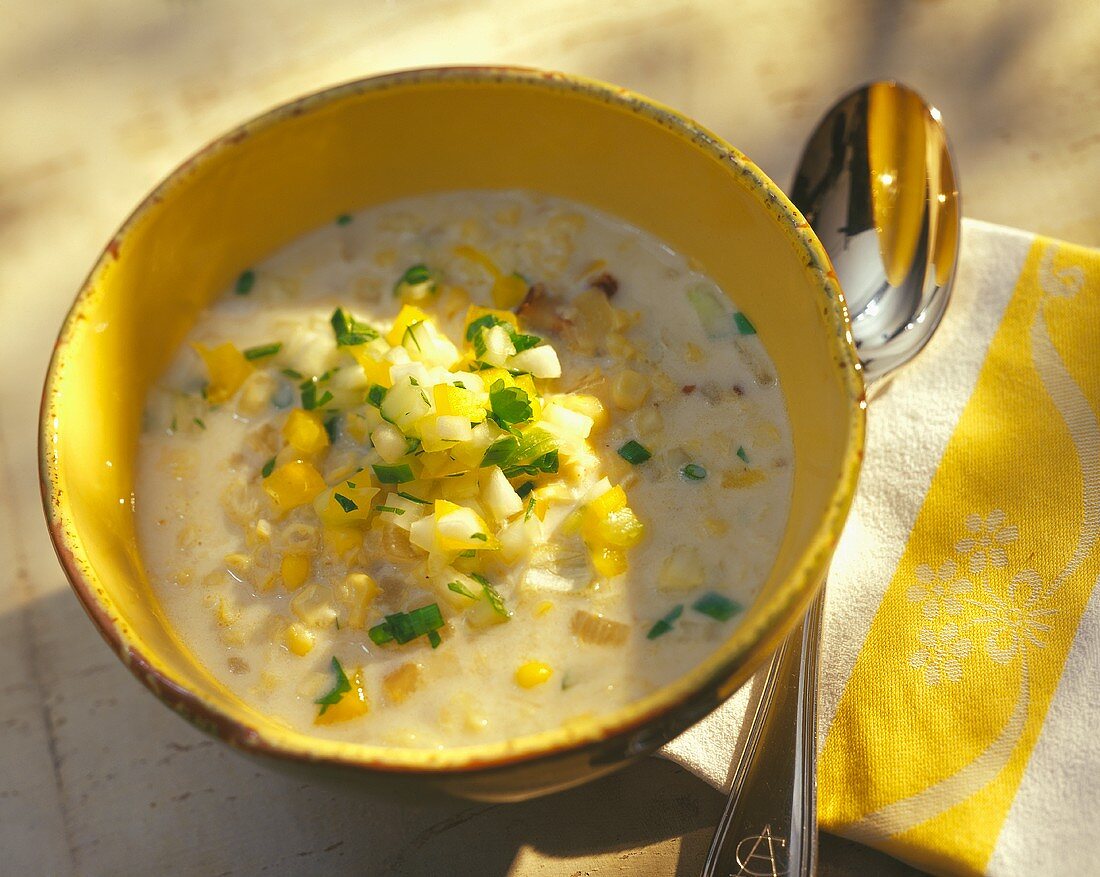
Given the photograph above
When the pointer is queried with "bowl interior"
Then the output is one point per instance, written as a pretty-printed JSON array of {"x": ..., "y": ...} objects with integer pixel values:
[{"x": 370, "y": 142}]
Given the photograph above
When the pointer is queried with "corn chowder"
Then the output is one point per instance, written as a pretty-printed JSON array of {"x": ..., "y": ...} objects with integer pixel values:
[{"x": 460, "y": 468}]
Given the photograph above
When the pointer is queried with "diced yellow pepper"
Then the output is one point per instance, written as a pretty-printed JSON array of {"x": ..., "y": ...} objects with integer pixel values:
[
  {"x": 460, "y": 487},
  {"x": 227, "y": 369},
  {"x": 293, "y": 484},
  {"x": 607, "y": 502},
  {"x": 533, "y": 673},
  {"x": 455, "y": 401},
  {"x": 440, "y": 464},
  {"x": 587, "y": 405},
  {"x": 508, "y": 289},
  {"x": 427, "y": 427},
  {"x": 377, "y": 371},
  {"x": 351, "y": 706},
  {"x": 475, "y": 533},
  {"x": 359, "y": 500},
  {"x": 408, "y": 315},
  {"x": 294, "y": 570},
  {"x": 609, "y": 562},
  {"x": 305, "y": 432},
  {"x": 402, "y": 682},
  {"x": 476, "y": 312},
  {"x": 618, "y": 529},
  {"x": 299, "y": 639}
]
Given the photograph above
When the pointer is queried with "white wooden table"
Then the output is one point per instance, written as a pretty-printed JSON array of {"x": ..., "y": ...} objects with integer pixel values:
[{"x": 101, "y": 99}]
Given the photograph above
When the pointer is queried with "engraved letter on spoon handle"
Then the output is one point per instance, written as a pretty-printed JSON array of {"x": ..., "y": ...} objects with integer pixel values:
[{"x": 769, "y": 827}]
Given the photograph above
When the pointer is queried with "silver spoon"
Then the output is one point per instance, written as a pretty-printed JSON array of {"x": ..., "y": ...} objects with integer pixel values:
[{"x": 878, "y": 185}]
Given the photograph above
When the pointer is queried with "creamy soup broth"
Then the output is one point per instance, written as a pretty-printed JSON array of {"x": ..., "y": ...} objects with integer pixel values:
[{"x": 333, "y": 547}]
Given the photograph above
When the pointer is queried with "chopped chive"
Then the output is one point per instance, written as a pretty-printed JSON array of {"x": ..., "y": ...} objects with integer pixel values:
[
  {"x": 480, "y": 537},
  {"x": 292, "y": 374},
  {"x": 664, "y": 625},
  {"x": 492, "y": 595},
  {"x": 245, "y": 282},
  {"x": 434, "y": 638},
  {"x": 268, "y": 468},
  {"x": 525, "y": 489},
  {"x": 343, "y": 219},
  {"x": 310, "y": 399},
  {"x": 348, "y": 505},
  {"x": 376, "y": 394},
  {"x": 349, "y": 331},
  {"x": 460, "y": 588},
  {"x": 412, "y": 498},
  {"x": 198, "y": 422},
  {"x": 634, "y": 452},
  {"x": 341, "y": 687},
  {"x": 694, "y": 472},
  {"x": 332, "y": 428},
  {"x": 530, "y": 508},
  {"x": 741, "y": 453},
  {"x": 468, "y": 553},
  {"x": 744, "y": 327},
  {"x": 396, "y": 473},
  {"x": 412, "y": 444},
  {"x": 263, "y": 350},
  {"x": 407, "y": 626},
  {"x": 417, "y": 281},
  {"x": 717, "y": 606},
  {"x": 411, "y": 335},
  {"x": 389, "y": 508}
]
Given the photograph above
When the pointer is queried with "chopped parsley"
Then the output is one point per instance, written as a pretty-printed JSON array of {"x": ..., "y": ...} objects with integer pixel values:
[
  {"x": 198, "y": 422},
  {"x": 694, "y": 472},
  {"x": 417, "y": 282},
  {"x": 268, "y": 468},
  {"x": 376, "y": 394},
  {"x": 263, "y": 350},
  {"x": 349, "y": 331},
  {"x": 335, "y": 694},
  {"x": 717, "y": 606},
  {"x": 741, "y": 453},
  {"x": 348, "y": 505},
  {"x": 664, "y": 625},
  {"x": 511, "y": 405},
  {"x": 480, "y": 537},
  {"x": 634, "y": 452},
  {"x": 485, "y": 322},
  {"x": 245, "y": 282},
  {"x": 404, "y": 627},
  {"x": 393, "y": 473}
]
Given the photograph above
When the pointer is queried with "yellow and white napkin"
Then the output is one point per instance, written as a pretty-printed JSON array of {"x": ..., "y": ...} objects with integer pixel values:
[{"x": 959, "y": 711}]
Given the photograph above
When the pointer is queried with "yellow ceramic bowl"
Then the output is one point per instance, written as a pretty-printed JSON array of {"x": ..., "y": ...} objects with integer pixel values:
[{"x": 366, "y": 142}]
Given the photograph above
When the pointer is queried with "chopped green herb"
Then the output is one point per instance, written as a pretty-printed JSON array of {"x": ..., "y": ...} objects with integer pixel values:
[
  {"x": 530, "y": 508},
  {"x": 335, "y": 694},
  {"x": 460, "y": 588},
  {"x": 741, "y": 453},
  {"x": 310, "y": 399},
  {"x": 468, "y": 553},
  {"x": 395, "y": 473},
  {"x": 389, "y": 508},
  {"x": 417, "y": 283},
  {"x": 744, "y": 327},
  {"x": 263, "y": 350},
  {"x": 524, "y": 342},
  {"x": 486, "y": 321},
  {"x": 694, "y": 472},
  {"x": 492, "y": 595},
  {"x": 525, "y": 489},
  {"x": 292, "y": 374},
  {"x": 713, "y": 310},
  {"x": 511, "y": 405},
  {"x": 343, "y": 219},
  {"x": 480, "y": 537},
  {"x": 245, "y": 282},
  {"x": 500, "y": 451},
  {"x": 717, "y": 606},
  {"x": 412, "y": 498},
  {"x": 332, "y": 428},
  {"x": 348, "y": 505},
  {"x": 172, "y": 426},
  {"x": 376, "y": 394},
  {"x": 634, "y": 452},
  {"x": 404, "y": 627},
  {"x": 664, "y": 625},
  {"x": 411, "y": 335},
  {"x": 412, "y": 444},
  {"x": 268, "y": 468},
  {"x": 434, "y": 638},
  {"x": 349, "y": 331},
  {"x": 198, "y": 422},
  {"x": 548, "y": 462}
]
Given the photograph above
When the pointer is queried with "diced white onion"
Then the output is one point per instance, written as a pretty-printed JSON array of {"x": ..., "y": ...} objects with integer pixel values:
[
  {"x": 579, "y": 425},
  {"x": 453, "y": 428},
  {"x": 541, "y": 361},
  {"x": 499, "y": 495},
  {"x": 389, "y": 441}
]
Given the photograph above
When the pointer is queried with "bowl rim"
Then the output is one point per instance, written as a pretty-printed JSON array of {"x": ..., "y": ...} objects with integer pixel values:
[{"x": 712, "y": 675}]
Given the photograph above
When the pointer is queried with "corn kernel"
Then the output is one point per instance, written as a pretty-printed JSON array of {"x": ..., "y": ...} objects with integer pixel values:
[
  {"x": 543, "y": 607},
  {"x": 402, "y": 682},
  {"x": 256, "y": 394},
  {"x": 351, "y": 706},
  {"x": 294, "y": 570},
  {"x": 609, "y": 562},
  {"x": 293, "y": 484},
  {"x": 629, "y": 389},
  {"x": 343, "y": 540},
  {"x": 693, "y": 353},
  {"x": 313, "y": 606},
  {"x": 305, "y": 432},
  {"x": 533, "y": 673},
  {"x": 716, "y": 526},
  {"x": 357, "y": 592}
]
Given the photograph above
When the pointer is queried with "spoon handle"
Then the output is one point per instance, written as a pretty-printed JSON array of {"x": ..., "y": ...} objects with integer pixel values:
[{"x": 769, "y": 827}]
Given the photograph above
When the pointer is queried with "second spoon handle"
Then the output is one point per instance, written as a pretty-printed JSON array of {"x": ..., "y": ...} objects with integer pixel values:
[{"x": 769, "y": 826}]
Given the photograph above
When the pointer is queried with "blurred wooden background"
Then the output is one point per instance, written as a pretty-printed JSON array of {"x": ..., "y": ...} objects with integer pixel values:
[{"x": 101, "y": 99}]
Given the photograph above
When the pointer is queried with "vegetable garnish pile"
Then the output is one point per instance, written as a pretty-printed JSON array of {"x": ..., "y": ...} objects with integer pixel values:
[{"x": 462, "y": 448}]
